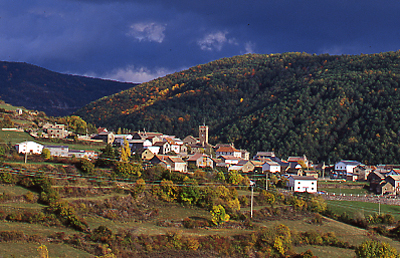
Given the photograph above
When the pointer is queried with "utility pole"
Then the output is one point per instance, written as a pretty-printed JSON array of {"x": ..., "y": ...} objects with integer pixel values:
[
  {"x": 251, "y": 207},
  {"x": 252, "y": 184},
  {"x": 266, "y": 180}
]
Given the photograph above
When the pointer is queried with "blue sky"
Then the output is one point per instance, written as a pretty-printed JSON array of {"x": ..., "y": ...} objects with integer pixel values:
[{"x": 141, "y": 40}]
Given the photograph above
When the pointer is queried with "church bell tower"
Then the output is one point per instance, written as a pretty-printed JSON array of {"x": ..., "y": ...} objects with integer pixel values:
[{"x": 203, "y": 135}]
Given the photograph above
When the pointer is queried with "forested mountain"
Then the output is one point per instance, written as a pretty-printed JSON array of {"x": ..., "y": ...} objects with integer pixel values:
[
  {"x": 326, "y": 107},
  {"x": 56, "y": 94}
]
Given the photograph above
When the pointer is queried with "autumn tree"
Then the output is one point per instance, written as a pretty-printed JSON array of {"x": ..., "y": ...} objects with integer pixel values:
[
  {"x": 125, "y": 151},
  {"x": 372, "y": 249},
  {"x": 167, "y": 190},
  {"x": 46, "y": 154},
  {"x": 189, "y": 193},
  {"x": 6, "y": 122},
  {"x": 77, "y": 124},
  {"x": 234, "y": 177},
  {"x": 218, "y": 215},
  {"x": 127, "y": 170}
]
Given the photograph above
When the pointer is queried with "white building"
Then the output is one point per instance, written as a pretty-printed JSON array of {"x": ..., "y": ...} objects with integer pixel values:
[
  {"x": 302, "y": 184},
  {"x": 154, "y": 149},
  {"x": 29, "y": 147},
  {"x": 345, "y": 168},
  {"x": 271, "y": 167},
  {"x": 57, "y": 150},
  {"x": 119, "y": 138},
  {"x": 228, "y": 151}
]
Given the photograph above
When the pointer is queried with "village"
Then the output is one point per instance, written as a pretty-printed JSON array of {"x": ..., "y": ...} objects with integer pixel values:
[{"x": 184, "y": 156}]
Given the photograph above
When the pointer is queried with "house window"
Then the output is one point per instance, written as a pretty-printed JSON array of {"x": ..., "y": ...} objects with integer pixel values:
[
  {"x": 312, "y": 188},
  {"x": 312, "y": 183},
  {"x": 298, "y": 182},
  {"x": 298, "y": 187}
]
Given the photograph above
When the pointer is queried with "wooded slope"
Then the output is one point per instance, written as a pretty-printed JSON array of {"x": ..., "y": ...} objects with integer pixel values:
[{"x": 327, "y": 107}]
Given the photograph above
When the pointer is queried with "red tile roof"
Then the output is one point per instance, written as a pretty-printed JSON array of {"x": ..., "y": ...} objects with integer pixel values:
[{"x": 227, "y": 149}]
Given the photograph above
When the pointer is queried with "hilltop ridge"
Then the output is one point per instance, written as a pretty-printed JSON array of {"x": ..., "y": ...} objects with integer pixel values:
[{"x": 54, "y": 93}]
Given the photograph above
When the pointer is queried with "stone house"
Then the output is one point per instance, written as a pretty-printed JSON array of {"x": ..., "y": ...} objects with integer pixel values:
[
  {"x": 57, "y": 131},
  {"x": 145, "y": 154},
  {"x": 200, "y": 160},
  {"x": 375, "y": 179},
  {"x": 394, "y": 180},
  {"x": 177, "y": 164},
  {"x": 252, "y": 166}
]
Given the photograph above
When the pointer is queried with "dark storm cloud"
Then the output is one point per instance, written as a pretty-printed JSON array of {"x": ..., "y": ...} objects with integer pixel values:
[{"x": 143, "y": 39}]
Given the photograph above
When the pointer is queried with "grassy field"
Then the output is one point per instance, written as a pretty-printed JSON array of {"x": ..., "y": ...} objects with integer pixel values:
[
  {"x": 14, "y": 137},
  {"x": 10, "y": 107},
  {"x": 13, "y": 190},
  {"x": 177, "y": 212},
  {"x": 360, "y": 208},
  {"x": 30, "y": 250},
  {"x": 326, "y": 251},
  {"x": 356, "y": 191},
  {"x": 327, "y": 182}
]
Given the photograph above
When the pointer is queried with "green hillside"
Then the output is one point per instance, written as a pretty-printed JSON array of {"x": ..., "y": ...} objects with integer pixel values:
[
  {"x": 327, "y": 107},
  {"x": 56, "y": 94}
]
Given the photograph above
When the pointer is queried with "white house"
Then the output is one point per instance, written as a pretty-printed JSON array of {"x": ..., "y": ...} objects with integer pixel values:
[
  {"x": 271, "y": 167},
  {"x": 154, "y": 149},
  {"x": 302, "y": 184},
  {"x": 57, "y": 150},
  {"x": 345, "y": 168},
  {"x": 230, "y": 160},
  {"x": 119, "y": 138},
  {"x": 174, "y": 146},
  {"x": 29, "y": 147},
  {"x": 228, "y": 151},
  {"x": 165, "y": 147},
  {"x": 235, "y": 168}
]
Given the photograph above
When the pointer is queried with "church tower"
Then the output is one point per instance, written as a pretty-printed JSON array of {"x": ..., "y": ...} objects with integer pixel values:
[{"x": 203, "y": 135}]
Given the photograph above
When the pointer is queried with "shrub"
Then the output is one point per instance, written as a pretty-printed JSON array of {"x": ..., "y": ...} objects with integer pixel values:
[
  {"x": 218, "y": 215},
  {"x": 86, "y": 166},
  {"x": 138, "y": 188},
  {"x": 244, "y": 201},
  {"x": 45, "y": 154},
  {"x": 266, "y": 198},
  {"x": 29, "y": 197},
  {"x": 102, "y": 234},
  {"x": 67, "y": 215},
  {"x": 372, "y": 249},
  {"x": 8, "y": 178},
  {"x": 316, "y": 219}
]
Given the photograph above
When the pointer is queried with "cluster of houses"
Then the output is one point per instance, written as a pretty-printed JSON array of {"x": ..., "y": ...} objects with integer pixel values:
[
  {"x": 383, "y": 179},
  {"x": 185, "y": 155}
]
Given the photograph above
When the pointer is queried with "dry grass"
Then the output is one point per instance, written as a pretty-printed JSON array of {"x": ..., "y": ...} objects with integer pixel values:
[
  {"x": 30, "y": 250},
  {"x": 326, "y": 251},
  {"x": 13, "y": 190}
]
